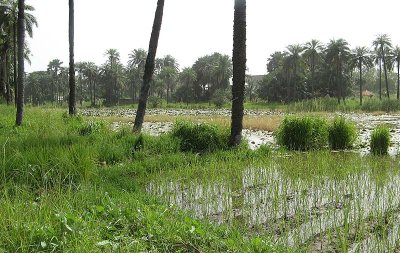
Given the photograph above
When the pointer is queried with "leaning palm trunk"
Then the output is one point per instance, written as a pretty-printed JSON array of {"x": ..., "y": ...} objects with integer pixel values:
[
  {"x": 149, "y": 67},
  {"x": 239, "y": 72},
  {"x": 21, "y": 67},
  {"x": 72, "y": 84},
  {"x": 380, "y": 78}
]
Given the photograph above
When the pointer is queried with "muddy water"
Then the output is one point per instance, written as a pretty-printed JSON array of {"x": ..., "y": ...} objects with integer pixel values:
[
  {"x": 297, "y": 212},
  {"x": 365, "y": 124}
]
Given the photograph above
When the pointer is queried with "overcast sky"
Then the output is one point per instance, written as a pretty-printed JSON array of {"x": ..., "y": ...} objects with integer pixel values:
[{"x": 194, "y": 28}]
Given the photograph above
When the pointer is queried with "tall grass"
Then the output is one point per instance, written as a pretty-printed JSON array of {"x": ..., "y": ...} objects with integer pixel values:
[
  {"x": 380, "y": 140},
  {"x": 341, "y": 134},
  {"x": 303, "y": 133}
]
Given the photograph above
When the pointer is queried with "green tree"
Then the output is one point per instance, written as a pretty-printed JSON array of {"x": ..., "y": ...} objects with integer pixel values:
[
  {"x": 361, "y": 57},
  {"x": 396, "y": 60},
  {"x": 54, "y": 69},
  {"x": 239, "y": 72},
  {"x": 136, "y": 63},
  {"x": 292, "y": 65},
  {"x": 168, "y": 75},
  {"x": 187, "y": 79},
  {"x": 312, "y": 55},
  {"x": 337, "y": 56},
  {"x": 382, "y": 44},
  {"x": 149, "y": 67}
]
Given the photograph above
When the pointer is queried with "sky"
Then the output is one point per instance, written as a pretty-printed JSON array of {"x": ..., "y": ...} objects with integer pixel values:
[{"x": 194, "y": 28}]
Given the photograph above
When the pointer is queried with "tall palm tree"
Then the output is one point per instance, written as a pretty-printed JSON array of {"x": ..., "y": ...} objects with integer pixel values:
[
  {"x": 361, "y": 57},
  {"x": 53, "y": 68},
  {"x": 337, "y": 55},
  {"x": 292, "y": 63},
  {"x": 136, "y": 63},
  {"x": 382, "y": 45},
  {"x": 396, "y": 59},
  {"x": 149, "y": 67},
  {"x": 312, "y": 53},
  {"x": 72, "y": 83},
  {"x": 8, "y": 24},
  {"x": 239, "y": 71},
  {"x": 187, "y": 78},
  {"x": 21, "y": 67}
]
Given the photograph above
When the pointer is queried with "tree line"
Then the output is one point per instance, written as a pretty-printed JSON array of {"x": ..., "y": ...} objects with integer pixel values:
[
  {"x": 315, "y": 69},
  {"x": 113, "y": 82},
  {"x": 208, "y": 75}
]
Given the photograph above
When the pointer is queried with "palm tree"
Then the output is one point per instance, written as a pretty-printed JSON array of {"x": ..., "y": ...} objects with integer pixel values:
[
  {"x": 187, "y": 77},
  {"x": 21, "y": 67},
  {"x": 53, "y": 68},
  {"x": 239, "y": 72},
  {"x": 72, "y": 84},
  {"x": 361, "y": 57},
  {"x": 136, "y": 63},
  {"x": 292, "y": 63},
  {"x": 8, "y": 23},
  {"x": 382, "y": 45},
  {"x": 149, "y": 67},
  {"x": 168, "y": 75},
  {"x": 396, "y": 59},
  {"x": 337, "y": 54},
  {"x": 312, "y": 53}
]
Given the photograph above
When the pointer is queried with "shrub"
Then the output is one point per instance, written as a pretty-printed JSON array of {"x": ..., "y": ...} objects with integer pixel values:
[
  {"x": 305, "y": 133},
  {"x": 341, "y": 134},
  {"x": 380, "y": 140},
  {"x": 200, "y": 137}
]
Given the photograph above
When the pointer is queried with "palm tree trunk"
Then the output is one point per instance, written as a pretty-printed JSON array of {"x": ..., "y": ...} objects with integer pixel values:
[
  {"x": 239, "y": 72},
  {"x": 72, "y": 84},
  {"x": 7, "y": 79},
  {"x": 385, "y": 70},
  {"x": 149, "y": 67},
  {"x": 15, "y": 63},
  {"x": 398, "y": 79},
  {"x": 21, "y": 67},
  {"x": 360, "y": 67},
  {"x": 380, "y": 78}
]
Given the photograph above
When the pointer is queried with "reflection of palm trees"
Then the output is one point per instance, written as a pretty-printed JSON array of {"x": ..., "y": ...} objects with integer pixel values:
[
  {"x": 361, "y": 57},
  {"x": 382, "y": 45},
  {"x": 149, "y": 67}
]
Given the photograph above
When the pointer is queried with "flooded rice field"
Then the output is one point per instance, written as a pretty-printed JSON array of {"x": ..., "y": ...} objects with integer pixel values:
[{"x": 354, "y": 214}]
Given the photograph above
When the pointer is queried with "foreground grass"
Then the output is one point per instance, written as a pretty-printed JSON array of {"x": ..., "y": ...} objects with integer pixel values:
[{"x": 71, "y": 185}]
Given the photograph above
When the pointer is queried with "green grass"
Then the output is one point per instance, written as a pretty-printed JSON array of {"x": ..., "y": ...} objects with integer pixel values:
[
  {"x": 341, "y": 134},
  {"x": 73, "y": 185},
  {"x": 380, "y": 140},
  {"x": 303, "y": 133}
]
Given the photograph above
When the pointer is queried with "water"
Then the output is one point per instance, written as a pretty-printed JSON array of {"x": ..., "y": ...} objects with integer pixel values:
[{"x": 312, "y": 212}]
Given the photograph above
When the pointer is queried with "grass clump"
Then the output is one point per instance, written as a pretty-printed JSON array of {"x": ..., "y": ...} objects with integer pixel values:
[
  {"x": 200, "y": 137},
  {"x": 341, "y": 134},
  {"x": 380, "y": 140},
  {"x": 303, "y": 133}
]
